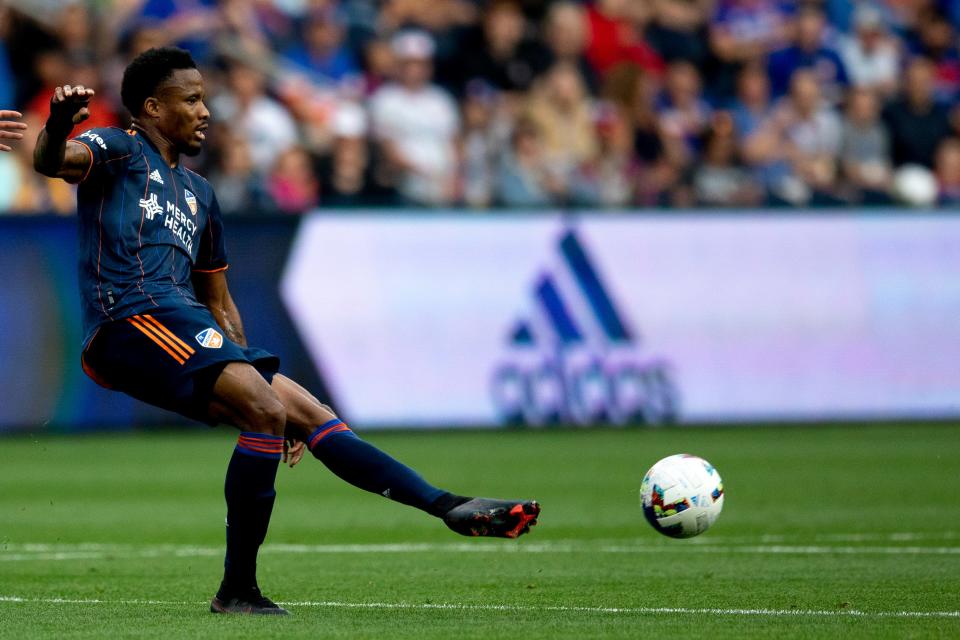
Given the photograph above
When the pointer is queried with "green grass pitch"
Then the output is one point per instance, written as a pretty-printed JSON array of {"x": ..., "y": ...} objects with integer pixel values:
[{"x": 844, "y": 532}]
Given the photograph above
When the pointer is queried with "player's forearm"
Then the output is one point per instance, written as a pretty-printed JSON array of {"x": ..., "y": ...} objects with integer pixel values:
[
  {"x": 51, "y": 150},
  {"x": 228, "y": 317}
]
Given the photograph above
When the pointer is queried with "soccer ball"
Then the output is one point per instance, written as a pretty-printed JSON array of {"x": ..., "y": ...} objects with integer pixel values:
[{"x": 681, "y": 496}]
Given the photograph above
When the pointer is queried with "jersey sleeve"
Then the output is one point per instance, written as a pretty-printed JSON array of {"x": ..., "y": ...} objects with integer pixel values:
[
  {"x": 212, "y": 252},
  {"x": 110, "y": 150}
]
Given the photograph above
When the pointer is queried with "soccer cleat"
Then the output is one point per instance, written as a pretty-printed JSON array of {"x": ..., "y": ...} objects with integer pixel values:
[
  {"x": 495, "y": 518},
  {"x": 251, "y": 603}
]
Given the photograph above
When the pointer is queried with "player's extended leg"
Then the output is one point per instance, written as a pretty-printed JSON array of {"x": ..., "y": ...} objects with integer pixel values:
[
  {"x": 363, "y": 465},
  {"x": 243, "y": 398}
]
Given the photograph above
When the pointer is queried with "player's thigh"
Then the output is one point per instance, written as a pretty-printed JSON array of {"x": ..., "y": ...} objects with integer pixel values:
[
  {"x": 121, "y": 357},
  {"x": 304, "y": 412},
  {"x": 241, "y": 396}
]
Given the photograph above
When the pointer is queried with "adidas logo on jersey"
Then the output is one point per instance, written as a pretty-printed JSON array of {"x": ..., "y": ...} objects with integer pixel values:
[{"x": 155, "y": 176}]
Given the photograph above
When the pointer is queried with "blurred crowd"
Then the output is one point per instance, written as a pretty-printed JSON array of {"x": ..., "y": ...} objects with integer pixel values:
[{"x": 522, "y": 103}]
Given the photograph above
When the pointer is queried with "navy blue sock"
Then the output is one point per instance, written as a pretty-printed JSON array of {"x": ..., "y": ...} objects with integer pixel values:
[
  {"x": 364, "y": 466},
  {"x": 250, "y": 494}
]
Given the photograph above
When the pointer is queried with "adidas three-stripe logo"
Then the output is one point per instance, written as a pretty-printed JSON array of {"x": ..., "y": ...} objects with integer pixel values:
[{"x": 155, "y": 176}]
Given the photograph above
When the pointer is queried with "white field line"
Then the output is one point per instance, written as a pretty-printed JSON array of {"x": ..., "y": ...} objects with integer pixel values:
[
  {"x": 823, "y": 613},
  {"x": 94, "y": 551}
]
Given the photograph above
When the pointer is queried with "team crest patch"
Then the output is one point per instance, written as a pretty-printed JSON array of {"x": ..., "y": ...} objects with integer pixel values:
[
  {"x": 210, "y": 339},
  {"x": 191, "y": 201}
]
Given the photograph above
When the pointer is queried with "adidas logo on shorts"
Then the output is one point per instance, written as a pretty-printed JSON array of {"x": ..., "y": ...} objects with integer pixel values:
[{"x": 155, "y": 176}]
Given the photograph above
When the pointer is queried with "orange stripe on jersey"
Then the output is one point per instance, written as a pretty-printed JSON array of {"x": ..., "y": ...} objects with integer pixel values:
[
  {"x": 156, "y": 340},
  {"x": 169, "y": 334},
  {"x": 160, "y": 334},
  {"x": 89, "y": 166},
  {"x": 212, "y": 270}
]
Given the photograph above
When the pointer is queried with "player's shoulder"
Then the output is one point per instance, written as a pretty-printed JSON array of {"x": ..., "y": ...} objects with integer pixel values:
[
  {"x": 109, "y": 138},
  {"x": 199, "y": 185}
]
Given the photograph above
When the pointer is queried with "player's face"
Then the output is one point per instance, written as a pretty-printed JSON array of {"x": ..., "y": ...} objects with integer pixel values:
[{"x": 183, "y": 115}]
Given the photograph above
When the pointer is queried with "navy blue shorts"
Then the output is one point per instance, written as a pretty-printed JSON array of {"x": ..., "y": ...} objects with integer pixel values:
[{"x": 169, "y": 358}]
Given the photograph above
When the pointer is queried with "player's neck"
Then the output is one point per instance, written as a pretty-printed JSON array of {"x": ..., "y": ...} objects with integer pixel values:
[{"x": 168, "y": 151}]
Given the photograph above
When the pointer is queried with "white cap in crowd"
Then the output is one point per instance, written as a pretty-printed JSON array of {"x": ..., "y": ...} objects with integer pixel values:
[{"x": 416, "y": 45}]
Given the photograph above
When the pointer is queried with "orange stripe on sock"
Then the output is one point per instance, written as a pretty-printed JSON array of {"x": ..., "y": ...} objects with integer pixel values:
[
  {"x": 261, "y": 443},
  {"x": 253, "y": 447},
  {"x": 172, "y": 335},
  {"x": 261, "y": 439},
  {"x": 160, "y": 344},
  {"x": 337, "y": 428},
  {"x": 152, "y": 329}
]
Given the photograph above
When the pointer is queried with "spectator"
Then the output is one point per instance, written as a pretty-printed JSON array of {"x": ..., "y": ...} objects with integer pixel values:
[
  {"x": 565, "y": 33},
  {"x": 188, "y": 23},
  {"x": 634, "y": 92},
  {"x": 416, "y": 123},
  {"x": 936, "y": 40},
  {"x": 865, "y": 148},
  {"x": 524, "y": 177},
  {"x": 560, "y": 109},
  {"x": 948, "y": 172},
  {"x": 267, "y": 126},
  {"x": 346, "y": 172},
  {"x": 238, "y": 187},
  {"x": 479, "y": 144},
  {"x": 684, "y": 114},
  {"x": 916, "y": 121},
  {"x": 498, "y": 53},
  {"x": 795, "y": 149},
  {"x": 721, "y": 180},
  {"x": 678, "y": 30},
  {"x": 616, "y": 36},
  {"x": 292, "y": 184},
  {"x": 870, "y": 56},
  {"x": 752, "y": 105},
  {"x": 809, "y": 52},
  {"x": 609, "y": 179},
  {"x": 378, "y": 64},
  {"x": 812, "y": 130},
  {"x": 323, "y": 51},
  {"x": 746, "y": 31}
]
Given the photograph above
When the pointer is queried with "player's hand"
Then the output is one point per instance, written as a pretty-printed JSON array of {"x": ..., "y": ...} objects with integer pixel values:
[
  {"x": 292, "y": 452},
  {"x": 10, "y": 130},
  {"x": 69, "y": 106}
]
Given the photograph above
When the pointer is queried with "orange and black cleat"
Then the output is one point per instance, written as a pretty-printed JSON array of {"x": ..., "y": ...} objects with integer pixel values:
[{"x": 494, "y": 518}]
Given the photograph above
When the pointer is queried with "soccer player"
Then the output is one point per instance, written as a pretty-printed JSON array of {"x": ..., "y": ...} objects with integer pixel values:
[
  {"x": 9, "y": 129},
  {"x": 161, "y": 326}
]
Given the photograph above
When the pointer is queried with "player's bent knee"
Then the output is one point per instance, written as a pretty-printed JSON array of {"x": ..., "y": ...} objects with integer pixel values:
[{"x": 266, "y": 415}]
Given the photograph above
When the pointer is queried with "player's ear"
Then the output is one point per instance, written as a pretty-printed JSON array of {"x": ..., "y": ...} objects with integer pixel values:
[{"x": 151, "y": 107}]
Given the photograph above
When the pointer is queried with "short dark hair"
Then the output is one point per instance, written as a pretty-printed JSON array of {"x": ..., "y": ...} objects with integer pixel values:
[{"x": 147, "y": 71}]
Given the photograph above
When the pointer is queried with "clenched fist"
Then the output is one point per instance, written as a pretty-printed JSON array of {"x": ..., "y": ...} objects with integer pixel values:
[{"x": 9, "y": 129}]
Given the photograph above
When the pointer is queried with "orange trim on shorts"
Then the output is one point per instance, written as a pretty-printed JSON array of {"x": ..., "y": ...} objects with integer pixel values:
[
  {"x": 160, "y": 343},
  {"x": 184, "y": 346},
  {"x": 93, "y": 375}
]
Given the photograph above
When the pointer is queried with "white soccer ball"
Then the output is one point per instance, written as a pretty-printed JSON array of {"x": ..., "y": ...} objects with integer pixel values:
[{"x": 682, "y": 496}]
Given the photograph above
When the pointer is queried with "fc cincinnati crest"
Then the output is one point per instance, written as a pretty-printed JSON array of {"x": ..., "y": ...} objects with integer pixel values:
[
  {"x": 191, "y": 201},
  {"x": 210, "y": 339}
]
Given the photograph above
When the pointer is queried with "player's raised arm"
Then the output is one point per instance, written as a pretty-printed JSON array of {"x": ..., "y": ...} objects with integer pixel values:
[
  {"x": 54, "y": 155},
  {"x": 9, "y": 129}
]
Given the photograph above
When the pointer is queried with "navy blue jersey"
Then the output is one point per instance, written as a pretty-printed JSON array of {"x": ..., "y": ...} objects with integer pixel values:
[{"x": 144, "y": 229}]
